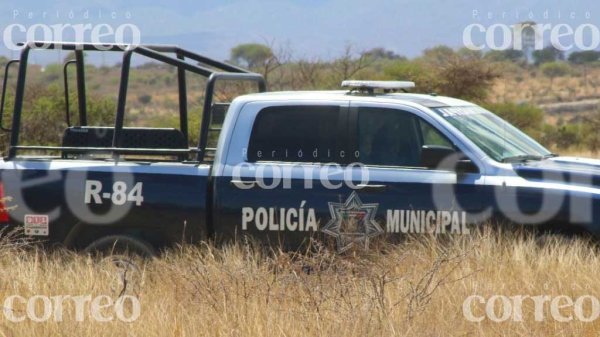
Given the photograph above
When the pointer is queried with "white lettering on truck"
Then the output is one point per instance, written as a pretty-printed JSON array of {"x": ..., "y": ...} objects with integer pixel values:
[
  {"x": 433, "y": 222},
  {"x": 119, "y": 195},
  {"x": 280, "y": 219}
]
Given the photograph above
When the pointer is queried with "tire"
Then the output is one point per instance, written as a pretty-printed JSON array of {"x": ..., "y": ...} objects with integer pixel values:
[{"x": 119, "y": 245}]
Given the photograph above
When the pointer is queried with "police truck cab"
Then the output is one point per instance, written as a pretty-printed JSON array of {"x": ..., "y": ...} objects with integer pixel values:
[{"x": 367, "y": 162}]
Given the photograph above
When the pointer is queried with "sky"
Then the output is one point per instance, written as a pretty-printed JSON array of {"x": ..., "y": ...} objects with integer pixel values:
[{"x": 308, "y": 28}]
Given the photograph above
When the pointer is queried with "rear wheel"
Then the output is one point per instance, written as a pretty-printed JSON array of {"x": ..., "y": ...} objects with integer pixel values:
[{"x": 121, "y": 245}]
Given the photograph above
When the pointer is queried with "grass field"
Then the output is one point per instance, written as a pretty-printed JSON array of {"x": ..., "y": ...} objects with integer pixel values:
[{"x": 412, "y": 289}]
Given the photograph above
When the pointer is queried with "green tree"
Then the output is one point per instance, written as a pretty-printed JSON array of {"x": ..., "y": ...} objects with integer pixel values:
[
  {"x": 258, "y": 57},
  {"x": 584, "y": 57},
  {"x": 590, "y": 134},
  {"x": 438, "y": 55},
  {"x": 466, "y": 78},
  {"x": 467, "y": 53},
  {"x": 415, "y": 71},
  {"x": 546, "y": 55},
  {"x": 562, "y": 136},
  {"x": 251, "y": 55},
  {"x": 553, "y": 70},
  {"x": 528, "y": 118},
  {"x": 507, "y": 55},
  {"x": 382, "y": 54},
  {"x": 461, "y": 76}
]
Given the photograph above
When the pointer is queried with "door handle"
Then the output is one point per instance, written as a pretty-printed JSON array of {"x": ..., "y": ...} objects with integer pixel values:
[
  {"x": 371, "y": 188},
  {"x": 244, "y": 184}
]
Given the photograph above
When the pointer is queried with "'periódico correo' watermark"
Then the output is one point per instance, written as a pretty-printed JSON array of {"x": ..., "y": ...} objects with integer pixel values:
[
  {"x": 42, "y": 308},
  {"x": 502, "y": 308}
]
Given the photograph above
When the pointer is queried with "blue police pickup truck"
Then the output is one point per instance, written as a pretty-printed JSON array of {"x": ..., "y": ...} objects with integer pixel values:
[{"x": 350, "y": 166}]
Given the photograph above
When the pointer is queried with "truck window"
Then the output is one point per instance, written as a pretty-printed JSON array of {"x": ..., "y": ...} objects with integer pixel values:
[
  {"x": 391, "y": 137},
  {"x": 388, "y": 137},
  {"x": 431, "y": 136},
  {"x": 296, "y": 134}
]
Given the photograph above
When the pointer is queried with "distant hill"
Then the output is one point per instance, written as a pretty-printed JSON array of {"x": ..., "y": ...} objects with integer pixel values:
[{"x": 313, "y": 28}]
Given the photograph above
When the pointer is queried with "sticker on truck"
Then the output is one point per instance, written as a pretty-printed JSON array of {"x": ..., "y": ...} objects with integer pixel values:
[{"x": 36, "y": 224}]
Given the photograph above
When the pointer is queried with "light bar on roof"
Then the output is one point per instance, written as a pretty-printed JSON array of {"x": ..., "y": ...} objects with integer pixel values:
[{"x": 386, "y": 85}]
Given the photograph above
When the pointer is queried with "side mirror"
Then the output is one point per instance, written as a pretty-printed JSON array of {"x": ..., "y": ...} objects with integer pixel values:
[
  {"x": 466, "y": 165},
  {"x": 446, "y": 158},
  {"x": 432, "y": 156}
]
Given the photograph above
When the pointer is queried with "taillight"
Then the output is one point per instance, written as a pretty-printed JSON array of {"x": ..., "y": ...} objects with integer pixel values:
[{"x": 4, "y": 217}]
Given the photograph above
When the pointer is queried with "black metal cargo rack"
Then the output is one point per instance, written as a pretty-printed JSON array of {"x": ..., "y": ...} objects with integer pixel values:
[{"x": 209, "y": 68}]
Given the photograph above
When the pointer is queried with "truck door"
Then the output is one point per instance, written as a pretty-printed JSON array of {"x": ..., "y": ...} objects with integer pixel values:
[
  {"x": 409, "y": 197},
  {"x": 284, "y": 165}
]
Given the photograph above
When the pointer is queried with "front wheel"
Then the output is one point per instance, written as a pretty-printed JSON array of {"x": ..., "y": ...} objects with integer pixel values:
[{"x": 119, "y": 245}]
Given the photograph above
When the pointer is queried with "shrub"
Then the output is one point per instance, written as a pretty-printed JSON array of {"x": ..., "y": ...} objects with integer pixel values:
[{"x": 527, "y": 118}]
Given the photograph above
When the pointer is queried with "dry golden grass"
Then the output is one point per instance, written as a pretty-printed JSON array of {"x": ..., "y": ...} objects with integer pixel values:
[{"x": 412, "y": 289}]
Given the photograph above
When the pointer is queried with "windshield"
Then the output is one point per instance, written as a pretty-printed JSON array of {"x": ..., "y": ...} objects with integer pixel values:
[{"x": 496, "y": 137}]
